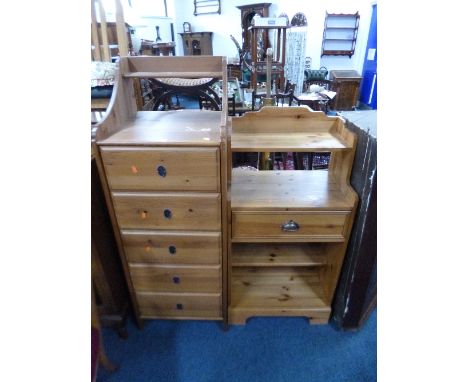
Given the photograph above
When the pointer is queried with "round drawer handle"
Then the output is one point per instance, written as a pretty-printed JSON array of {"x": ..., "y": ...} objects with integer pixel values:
[
  {"x": 290, "y": 226},
  {"x": 179, "y": 306},
  {"x": 162, "y": 171},
  {"x": 172, "y": 249},
  {"x": 167, "y": 213},
  {"x": 176, "y": 280}
]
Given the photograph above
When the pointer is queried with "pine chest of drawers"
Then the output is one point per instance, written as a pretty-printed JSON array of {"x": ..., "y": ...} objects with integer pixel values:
[{"x": 163, "y": 175}]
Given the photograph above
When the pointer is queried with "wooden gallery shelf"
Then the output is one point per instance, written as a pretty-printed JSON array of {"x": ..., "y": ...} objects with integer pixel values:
[{"x": 289, "y": 229}]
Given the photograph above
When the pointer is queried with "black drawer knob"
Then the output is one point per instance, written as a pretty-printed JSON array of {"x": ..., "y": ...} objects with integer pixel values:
[
  {"x": 162, "y": 171},
  {"x": 167, "y": 213},
  {"x": 176, "y": 280},
  {"x": 172, "y": 249},
  {"x": 179, "y": 306},
  {"x": 290, "y": 226}
]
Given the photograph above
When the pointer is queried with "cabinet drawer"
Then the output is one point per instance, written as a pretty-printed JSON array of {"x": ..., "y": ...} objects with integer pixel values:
[
  {"x": 168, "y": 247},
  {"x": 168, "y": 211},
  {"x": 159, "y": 278},
  {"x": 268, "y": 226},
  {"x": 179, "y": 305},
  {"x": 150, "y": 168}
]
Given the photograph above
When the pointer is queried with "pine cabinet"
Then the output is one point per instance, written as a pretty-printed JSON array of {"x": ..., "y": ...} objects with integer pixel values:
[{"x": 289, "y": 229}]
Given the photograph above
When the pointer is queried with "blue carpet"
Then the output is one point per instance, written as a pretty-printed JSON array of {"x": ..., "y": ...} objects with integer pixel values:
[{"x": 264, "y": 350}]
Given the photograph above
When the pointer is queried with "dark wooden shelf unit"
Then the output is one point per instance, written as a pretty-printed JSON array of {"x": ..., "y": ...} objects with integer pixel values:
[{"x": 339, "y": 34}]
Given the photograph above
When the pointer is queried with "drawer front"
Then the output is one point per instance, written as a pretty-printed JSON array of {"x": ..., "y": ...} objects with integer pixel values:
[
  {"x": 179, "y": 305},
  {"x": 316, "y": 226},
  {"x": 172, "y": 247},
  {"x": 167, "y": 211},
  {"x": 148, "y": 168},
  {"x": 152, "y": 278}
]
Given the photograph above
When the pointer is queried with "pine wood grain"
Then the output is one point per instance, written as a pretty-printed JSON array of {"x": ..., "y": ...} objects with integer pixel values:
[
  {"x": 276, "y": 291},
  {"x": 202, "y": 66},
  {"x": 169, "y": 128},
  {"x": 172, "y": 247},
  {"x": 289, "y": 189},
  {"x": 188, "y": 210},
  {"x": 267, "y": 226},
  {"x": 180, "y": 305},
  {"x": 278, "y": 255},
  {"x": 186, "y": 169},
  {"x": 175, "y": 278}
]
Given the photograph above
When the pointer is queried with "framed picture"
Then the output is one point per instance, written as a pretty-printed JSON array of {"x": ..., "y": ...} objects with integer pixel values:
[{"x": 187, "y": 27}]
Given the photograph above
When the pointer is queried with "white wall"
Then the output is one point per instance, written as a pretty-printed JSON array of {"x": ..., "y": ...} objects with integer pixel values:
[
  {"x": 223, "y": 25},
  {"x": 229, "y": 23}
]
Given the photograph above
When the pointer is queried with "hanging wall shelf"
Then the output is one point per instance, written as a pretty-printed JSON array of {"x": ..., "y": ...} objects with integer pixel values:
[
  {"x": 339, "y": 34},
  {"x": 204, "y": 7}
]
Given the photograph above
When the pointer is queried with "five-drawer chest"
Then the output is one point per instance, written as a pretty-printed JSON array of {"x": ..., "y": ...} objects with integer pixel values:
[{"x": 166, "y": 197}]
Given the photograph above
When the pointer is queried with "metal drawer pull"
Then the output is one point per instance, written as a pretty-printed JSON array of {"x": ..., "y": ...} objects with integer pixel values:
[
  {"x": 176, "y": 280},
  {"x": 290, "y": 226},
  {"x": 162, "y": 171},
  {"x": 167, "y": 213},
  {"x": 172, "y": 249},
  {"x": 179, "y": 306}
]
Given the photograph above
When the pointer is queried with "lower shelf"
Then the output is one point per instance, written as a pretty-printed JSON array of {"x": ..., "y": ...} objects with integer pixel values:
[{"x": 283, "y": 291}]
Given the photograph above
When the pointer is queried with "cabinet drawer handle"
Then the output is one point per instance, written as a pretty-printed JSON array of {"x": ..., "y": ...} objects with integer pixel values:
[
  {"x": 290, "y": 226},
  {"x": 172, "y": 249},
  {"x": 179, "y": 306},
  {"x": 176, "y": 280},
  {"x": 167, "y": 213},
  {"x": 162, "y": 171}
]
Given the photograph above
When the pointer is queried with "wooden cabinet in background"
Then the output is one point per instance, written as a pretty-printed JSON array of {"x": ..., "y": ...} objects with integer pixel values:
[
  {"x": 346, "y": 84},
  {"x": 197, "y": 43}
]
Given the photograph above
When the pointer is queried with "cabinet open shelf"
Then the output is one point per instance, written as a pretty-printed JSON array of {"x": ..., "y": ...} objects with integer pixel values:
[
  {"x": 284, "y": 142},
  {"x": 278, "y": 255},
  {"x": 291, "y": 189},
  {"x": 277, "y": 292},
  {"x": 288, "y": 228}
]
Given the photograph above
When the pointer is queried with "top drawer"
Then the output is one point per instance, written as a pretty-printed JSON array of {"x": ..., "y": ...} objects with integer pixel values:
[{"x": 160, "y": 168}]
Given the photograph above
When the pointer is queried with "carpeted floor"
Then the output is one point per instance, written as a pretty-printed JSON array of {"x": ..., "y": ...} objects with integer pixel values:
[{"x": 264, "y": 350}]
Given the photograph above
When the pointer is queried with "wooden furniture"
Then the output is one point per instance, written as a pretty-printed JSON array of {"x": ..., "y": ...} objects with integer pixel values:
[
  {"x": 111, "y": 33},
  {"x": 258, "y": 60},
  {"x": 112, "y": 300},
  {"x": 164, "y": 174},
  {"x": 164, "y": 49},
  {"x": 288, "y": 94},
  {"x": 206, "y": 7},
  {"x": 234, "y": 70},
  {"x": 356, "y": 294},
  {"x": 339, "y": 34},
  {"x": 346, "y": 84},
  {"x": 197, "y": 43},
  {"x": 98, "y": 354},
  {"x": 289, "y": 229},
  {"x": 248, "y": 12},
  {"x": 104, "y": 37},
  {"x": 315, "y": 101}
]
